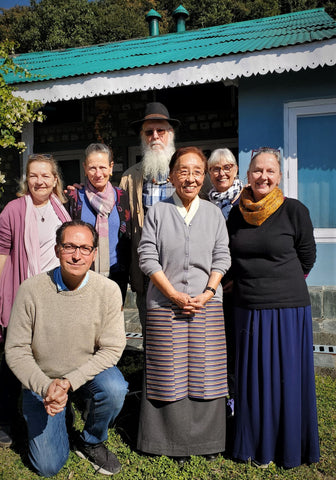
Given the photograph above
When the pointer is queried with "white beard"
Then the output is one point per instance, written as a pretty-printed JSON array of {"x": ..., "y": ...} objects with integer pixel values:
[{"x": 155, "y": 161}]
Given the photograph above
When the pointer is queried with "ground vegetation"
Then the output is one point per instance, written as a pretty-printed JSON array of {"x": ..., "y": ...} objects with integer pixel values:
[{"x": 14, "y": 464}]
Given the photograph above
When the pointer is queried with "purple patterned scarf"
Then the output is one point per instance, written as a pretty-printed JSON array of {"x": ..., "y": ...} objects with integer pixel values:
[{"x": 102, "y": 203}]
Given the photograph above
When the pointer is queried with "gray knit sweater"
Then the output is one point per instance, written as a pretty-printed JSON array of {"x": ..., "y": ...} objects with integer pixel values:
[
  {"x": 187, "y": 254},
  {"x": 74, "y": 334}
]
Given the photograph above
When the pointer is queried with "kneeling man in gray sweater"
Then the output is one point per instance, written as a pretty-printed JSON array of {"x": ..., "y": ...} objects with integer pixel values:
[{"x": 66, "y": 333}]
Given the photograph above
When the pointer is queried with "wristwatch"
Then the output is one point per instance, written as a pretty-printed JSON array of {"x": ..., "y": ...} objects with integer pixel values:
[{"x": 210, "y": 289}]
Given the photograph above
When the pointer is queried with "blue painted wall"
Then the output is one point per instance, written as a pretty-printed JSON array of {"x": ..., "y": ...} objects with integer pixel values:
[
  {"x": 261, "y": 109},
  {"x": 324, "y": 270}
]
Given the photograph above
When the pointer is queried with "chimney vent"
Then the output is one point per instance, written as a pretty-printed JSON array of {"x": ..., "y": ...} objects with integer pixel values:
[
  {"x": 153, "y": 19},
  {"x": 180, "y": 15}
]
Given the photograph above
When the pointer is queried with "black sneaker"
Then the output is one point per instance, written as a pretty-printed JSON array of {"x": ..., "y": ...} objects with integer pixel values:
[
  {"x": 5, "y": 438},
  {"x": 103, "y": 461}
]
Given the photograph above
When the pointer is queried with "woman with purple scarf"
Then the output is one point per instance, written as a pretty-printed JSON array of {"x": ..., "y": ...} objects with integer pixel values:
[
  {"x": 27, "y": 238},
  {"x": 107, "y": 209}
]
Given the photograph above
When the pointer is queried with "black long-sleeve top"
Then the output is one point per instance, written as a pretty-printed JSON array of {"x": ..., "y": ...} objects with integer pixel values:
[{"x": 269, "y": 261}]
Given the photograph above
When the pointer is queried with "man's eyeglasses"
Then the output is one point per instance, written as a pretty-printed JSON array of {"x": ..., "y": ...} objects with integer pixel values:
[
  {"x": 159, "y": 131},
  {"x": 225, "y": 168},
  {"x": 256, "y": 152},
  {"x": 69, "y": 248}
]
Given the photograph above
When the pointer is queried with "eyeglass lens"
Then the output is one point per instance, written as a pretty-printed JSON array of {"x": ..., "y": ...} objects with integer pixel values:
[
  {"x": 159, "y": 131},
  {"x": 185, "y": 174},
  {"x": 84, "y": 249},
  {"x": 224, "y": 168}
]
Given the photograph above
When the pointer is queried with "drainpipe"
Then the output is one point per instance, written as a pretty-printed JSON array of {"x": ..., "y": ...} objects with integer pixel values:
[
  {"x": 180, "y": 15},
  {"x": 153, "y": 19}
]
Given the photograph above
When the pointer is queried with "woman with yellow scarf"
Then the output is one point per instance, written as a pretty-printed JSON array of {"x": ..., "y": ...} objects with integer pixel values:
[{"x": 273, "y": 249}]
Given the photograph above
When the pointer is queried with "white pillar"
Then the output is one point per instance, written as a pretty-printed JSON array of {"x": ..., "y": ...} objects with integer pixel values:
[{"x": 28, "y": 138}]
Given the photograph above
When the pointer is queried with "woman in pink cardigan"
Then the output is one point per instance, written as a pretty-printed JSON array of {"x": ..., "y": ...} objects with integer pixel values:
[{"x": 27, "y": 238}]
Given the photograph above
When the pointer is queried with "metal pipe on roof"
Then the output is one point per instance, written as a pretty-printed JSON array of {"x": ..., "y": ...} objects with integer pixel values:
[
  {"x": 180, "y": 15},
  {"x": 153, "y": 19}
]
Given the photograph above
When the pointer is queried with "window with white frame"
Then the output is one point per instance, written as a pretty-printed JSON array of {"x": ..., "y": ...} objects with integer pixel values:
[{"x": 310, "y": 161}]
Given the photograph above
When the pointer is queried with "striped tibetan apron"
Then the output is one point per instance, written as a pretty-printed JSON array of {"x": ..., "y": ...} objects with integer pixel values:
[{"x": 186, "y": 355}]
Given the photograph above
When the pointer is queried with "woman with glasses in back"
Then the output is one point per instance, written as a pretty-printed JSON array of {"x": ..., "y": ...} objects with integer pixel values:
[
  {"x": 223, "y": 171},
  {"x": 107, "y": 209},
  {"x": 273, "y": 249},
  {"x": 27, "y": 238}
]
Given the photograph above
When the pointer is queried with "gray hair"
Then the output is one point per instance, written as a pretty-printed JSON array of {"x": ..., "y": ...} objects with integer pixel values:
[
  {"x": 221, "y": 154},
  {"x": 99, "y": 148}
]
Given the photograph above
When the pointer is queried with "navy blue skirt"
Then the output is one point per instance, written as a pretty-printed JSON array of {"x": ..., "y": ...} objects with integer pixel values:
[{"x": 275, "y": 401}]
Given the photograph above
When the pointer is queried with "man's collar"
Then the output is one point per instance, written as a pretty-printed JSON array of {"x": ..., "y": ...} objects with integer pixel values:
[{"x": 61, "y": 287}]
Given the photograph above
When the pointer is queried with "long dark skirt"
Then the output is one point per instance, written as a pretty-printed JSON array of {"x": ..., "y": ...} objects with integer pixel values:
[
  {"x": 275, "y": 403},
  {"x": 182, "y": 428},
  {"x": 185, "y": 357}
]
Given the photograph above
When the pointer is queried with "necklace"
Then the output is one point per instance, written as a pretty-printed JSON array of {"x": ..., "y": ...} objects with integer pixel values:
[{"x": 42, "y": 215}]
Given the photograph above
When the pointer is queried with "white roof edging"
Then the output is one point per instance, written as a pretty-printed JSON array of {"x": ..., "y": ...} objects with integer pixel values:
[{"x": 228, "y": 68}]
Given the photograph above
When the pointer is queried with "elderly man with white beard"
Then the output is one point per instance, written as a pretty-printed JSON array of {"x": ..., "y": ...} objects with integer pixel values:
[{"x": 147, "y": 182}]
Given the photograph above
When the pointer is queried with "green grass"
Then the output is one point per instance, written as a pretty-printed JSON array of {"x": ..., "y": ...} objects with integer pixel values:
[{"x": 14, "y": 464}]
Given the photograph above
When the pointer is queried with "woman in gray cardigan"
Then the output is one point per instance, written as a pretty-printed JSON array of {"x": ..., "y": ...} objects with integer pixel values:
[{"x": 184, "y": 251}]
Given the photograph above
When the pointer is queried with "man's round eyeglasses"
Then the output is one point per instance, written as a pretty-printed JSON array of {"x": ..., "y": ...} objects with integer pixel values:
[
  {"x": 159, "y": 131},
  {"x": 70, "y": 248}
]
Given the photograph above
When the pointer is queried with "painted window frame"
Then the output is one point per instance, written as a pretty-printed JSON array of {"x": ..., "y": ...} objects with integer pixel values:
[{"x": 293, "y": 110}]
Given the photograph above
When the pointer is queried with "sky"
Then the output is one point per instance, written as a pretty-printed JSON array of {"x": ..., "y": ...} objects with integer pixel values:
[{"x": 12, "y": 3}]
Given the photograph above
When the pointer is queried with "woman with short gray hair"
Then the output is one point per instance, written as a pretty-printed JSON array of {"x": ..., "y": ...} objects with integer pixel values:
[
  {"x": 223, "y": 171},
  {"x": 107, "y": 209}
]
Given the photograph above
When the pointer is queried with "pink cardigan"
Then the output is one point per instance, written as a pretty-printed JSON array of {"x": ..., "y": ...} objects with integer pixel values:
[{"x": 12, "y": 227}]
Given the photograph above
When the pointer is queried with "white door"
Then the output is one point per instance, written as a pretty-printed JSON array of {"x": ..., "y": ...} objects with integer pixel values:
[{"x": 310, "y": 174}]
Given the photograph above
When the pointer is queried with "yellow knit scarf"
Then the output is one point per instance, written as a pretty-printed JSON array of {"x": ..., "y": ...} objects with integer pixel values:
[{"x": 255, "y": 213}]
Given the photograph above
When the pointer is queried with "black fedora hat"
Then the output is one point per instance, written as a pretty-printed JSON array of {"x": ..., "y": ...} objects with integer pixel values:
[{"x": 156, "y": 111}]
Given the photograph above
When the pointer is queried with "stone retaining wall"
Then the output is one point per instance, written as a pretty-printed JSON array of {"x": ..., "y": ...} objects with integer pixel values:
[{"x": 323, "y": 300}]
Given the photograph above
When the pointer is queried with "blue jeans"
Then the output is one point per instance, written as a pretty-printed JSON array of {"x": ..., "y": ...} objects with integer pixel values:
[{"x": 48, "y": 436}]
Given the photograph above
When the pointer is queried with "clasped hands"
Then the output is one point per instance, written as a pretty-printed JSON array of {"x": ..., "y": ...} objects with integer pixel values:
[
  {"x": 191, "y": 305},
  {"x": 57, "y": 396}
]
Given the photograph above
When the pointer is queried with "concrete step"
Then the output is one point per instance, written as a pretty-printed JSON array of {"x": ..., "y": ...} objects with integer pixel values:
[{"x": 133, "y": 329}]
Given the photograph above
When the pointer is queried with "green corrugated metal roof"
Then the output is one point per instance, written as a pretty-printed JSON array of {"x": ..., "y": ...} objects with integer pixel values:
[{"x": 254, "y": 35}]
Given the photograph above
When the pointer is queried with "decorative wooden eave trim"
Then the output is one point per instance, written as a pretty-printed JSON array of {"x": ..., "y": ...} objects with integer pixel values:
[{"x": 227, "y": 69}]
